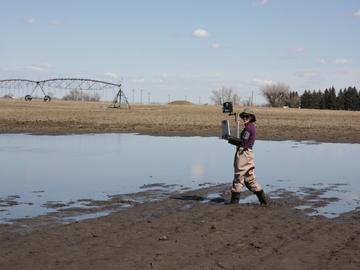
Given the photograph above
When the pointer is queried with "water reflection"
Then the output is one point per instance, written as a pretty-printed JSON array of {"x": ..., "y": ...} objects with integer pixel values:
[{"x": 39, "y": 169}]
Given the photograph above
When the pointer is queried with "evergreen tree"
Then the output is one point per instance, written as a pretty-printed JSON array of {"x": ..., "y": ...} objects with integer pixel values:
[
  {"x": 350, "y": 97},
  {"x": 329, "y": 99},
  {"x": 314, "y": 101},
  {"x": 305, "y": 99},
  {"x": 331, "y": 102},
  {"x": 322, "y": 100},
  {"x": 294, "y": 100},
  {"x": 318, "y": 101},
  {"x": 354, "y": 95},
  {"x": 326, "y": 99},
  {"x": 340, "y": 100},
  {"x": 346, "y": 99}
]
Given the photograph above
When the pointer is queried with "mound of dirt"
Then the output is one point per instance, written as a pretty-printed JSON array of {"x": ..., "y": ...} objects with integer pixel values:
[{"x": 180, "y": 102}]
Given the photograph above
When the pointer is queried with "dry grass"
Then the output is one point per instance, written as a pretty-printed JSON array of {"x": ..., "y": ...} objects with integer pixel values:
[{"x": 58, "y": 117}]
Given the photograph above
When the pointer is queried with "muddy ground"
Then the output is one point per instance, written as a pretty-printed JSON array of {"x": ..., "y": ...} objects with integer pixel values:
[{"x": 188, "y": 230}]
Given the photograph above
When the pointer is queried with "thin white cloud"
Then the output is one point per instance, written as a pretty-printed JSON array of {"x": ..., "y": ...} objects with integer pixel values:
[
  {"x": 111, "y": 75},
  {"x": 342, "y": 61},
  {"x": 262, "y": 82},
  {"x": 35, "y": 68},
  {"x": 201, "y": 33},
  {"x": 356, "y": 14},
  {"x": 261, "y": 2},
  {"x": 307, "y": 73},
  {"x": 54, "y": 22},
  {"x": 215, "y": 45},
  {"x": 138, "y": 80},
  {"x": 30, "y": 20},
  {"x": 39, "y": 67},
  {"x": 341, "y": 72},
  {"x": 322, "y": 61},
  {"x": 157, "y": 81},
  {"x": 164, "y": 75},
  {"x": 297, "y": 50}
]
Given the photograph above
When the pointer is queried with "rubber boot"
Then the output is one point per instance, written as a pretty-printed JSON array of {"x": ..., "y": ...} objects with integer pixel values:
[
  {"x": 235, "y": 198},
  {"x": 261, "y": 197}
]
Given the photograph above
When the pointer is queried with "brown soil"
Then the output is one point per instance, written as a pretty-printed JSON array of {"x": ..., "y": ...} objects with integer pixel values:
[
  {"x": 64, "y": 117},
  {"x": 183, "y": 232}
]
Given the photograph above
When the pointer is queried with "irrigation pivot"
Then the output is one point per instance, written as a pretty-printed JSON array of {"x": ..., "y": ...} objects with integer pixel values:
[{"x": 67, "y": 84}]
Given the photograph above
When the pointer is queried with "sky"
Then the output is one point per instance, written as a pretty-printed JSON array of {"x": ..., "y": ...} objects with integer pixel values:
[{"x": 176, "y": 50}]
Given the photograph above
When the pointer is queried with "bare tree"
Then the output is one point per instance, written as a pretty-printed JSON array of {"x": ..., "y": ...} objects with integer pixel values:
[
  {"x": 276, "y": 94},
  {"x": 224, "y": 95},
  {"x": 235, "y": 98},
  {"x": 79, "y": 95},
  {"x": 247, "y": 102}
]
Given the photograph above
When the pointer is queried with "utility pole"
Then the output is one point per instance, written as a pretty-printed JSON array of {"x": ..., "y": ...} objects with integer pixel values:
[
  {"x": 149, "y": 97},
  {"x": 252, "y": 98},
  {"x": 141, "y": 93},
  {"x": 169, "y": 98},
  {"x": 199, "y": 100},
  {"x": 133, "y": 96}
]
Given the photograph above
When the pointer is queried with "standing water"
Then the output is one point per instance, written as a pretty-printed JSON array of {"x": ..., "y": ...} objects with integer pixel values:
[{"x": 36, "y": 170}]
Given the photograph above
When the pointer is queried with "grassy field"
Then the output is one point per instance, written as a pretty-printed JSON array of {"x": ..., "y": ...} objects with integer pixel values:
[{"x": 64, "y": 117}]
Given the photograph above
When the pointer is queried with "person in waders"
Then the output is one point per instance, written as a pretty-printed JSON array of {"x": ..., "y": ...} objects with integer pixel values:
[{"x": 244, "y": 166}]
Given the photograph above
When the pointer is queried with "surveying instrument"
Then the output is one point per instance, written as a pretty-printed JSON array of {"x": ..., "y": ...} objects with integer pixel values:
[{"x": 225, "y": 125}]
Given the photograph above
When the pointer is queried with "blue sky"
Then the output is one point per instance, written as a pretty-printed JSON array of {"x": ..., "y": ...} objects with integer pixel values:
[{"x": 184, "y": 49}]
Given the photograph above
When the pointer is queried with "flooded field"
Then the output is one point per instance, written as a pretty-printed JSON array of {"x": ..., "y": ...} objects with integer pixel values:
[{"x": 45, "y": 174}]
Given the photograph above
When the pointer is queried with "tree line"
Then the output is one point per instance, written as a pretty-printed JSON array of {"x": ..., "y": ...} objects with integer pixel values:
[
  {"x": 78, "y": 95},
  {"x": 279, "y": 95},
  {"x": 346, "y": 99}
]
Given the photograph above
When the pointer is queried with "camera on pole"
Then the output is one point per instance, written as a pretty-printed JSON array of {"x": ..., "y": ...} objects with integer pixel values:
[
  {"x": 227, "y": 107},
  {"x": 225, "y": 126}
]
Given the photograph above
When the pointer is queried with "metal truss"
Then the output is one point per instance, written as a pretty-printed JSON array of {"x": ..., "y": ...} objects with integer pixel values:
[{"x": 65, "y": 83}]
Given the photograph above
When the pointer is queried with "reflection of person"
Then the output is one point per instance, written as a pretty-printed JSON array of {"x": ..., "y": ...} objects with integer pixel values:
[{"x": 244, "y": 166}]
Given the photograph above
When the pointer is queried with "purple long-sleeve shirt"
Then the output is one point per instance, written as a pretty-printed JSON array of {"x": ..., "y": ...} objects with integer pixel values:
[{"x": 247, "y": 137}]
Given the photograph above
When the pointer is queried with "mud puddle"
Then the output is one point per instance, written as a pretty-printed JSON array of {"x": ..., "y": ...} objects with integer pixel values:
[{"x": 48, "y": 175}]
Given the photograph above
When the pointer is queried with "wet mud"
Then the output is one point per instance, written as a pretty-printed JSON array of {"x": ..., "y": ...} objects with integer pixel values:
[{"x": 160, "y": 229}]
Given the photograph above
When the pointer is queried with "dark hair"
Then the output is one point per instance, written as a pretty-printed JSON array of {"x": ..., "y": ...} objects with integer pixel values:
[{"x": 248, "y": 116}]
